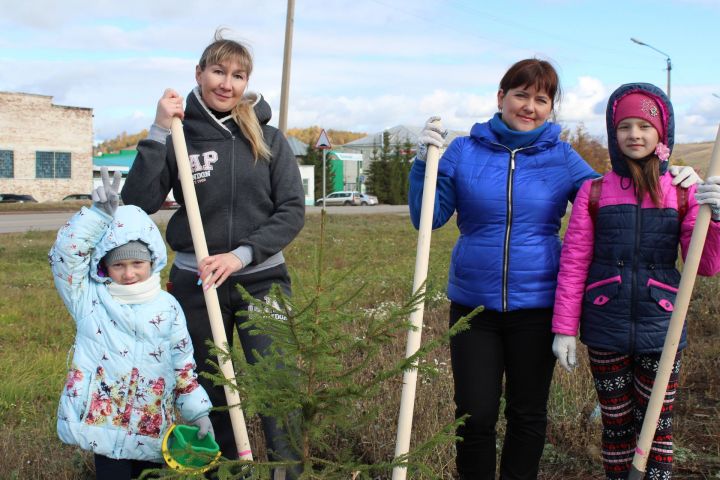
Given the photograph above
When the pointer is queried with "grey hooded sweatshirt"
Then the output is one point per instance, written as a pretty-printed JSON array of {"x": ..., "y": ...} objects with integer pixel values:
[{"x": 243, "y": 202}]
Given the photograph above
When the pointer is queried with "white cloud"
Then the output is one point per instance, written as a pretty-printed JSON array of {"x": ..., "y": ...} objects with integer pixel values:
[{"x": 360, "y": 66}]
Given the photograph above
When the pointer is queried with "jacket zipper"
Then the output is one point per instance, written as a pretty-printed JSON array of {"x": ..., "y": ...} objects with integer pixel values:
[
  {"x": 508, "y": 228},
  {"x": 508, "y": 224},
  {"x": 508, "y": 221},
  {"x": 633, "y": 295},
  {"x": 232, "y": 196}
]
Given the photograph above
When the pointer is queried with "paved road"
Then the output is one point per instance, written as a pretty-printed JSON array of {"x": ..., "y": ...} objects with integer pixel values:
[{"x": 22, "y": 222}]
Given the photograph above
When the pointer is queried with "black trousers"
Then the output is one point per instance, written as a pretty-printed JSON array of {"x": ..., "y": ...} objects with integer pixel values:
[
  {"x": 518, "y": 345},
  {"x": 191, "y": 298},
  {"x": 107, "y": 468}
]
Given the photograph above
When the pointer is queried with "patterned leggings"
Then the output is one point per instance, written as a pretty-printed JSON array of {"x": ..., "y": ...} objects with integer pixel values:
[{"x": 623, "y": 384}]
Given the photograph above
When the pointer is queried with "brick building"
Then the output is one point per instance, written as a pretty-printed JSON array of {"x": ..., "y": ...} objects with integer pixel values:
[{"x": 45, "y": 149}]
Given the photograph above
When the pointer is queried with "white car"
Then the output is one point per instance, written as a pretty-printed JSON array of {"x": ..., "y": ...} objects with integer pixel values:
[
  {"x": 340, "y": 198},
  {"x": 366, "y": 199}
]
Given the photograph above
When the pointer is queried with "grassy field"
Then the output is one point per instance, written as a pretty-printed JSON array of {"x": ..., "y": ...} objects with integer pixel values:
[{"x": 375, "y": 250}]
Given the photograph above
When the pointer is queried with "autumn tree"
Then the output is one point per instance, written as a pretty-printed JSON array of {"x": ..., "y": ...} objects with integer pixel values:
[{"x": 589, "y": 147}]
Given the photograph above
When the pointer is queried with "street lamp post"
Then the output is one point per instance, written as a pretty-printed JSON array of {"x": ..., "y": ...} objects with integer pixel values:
[{"x": 669, "y": 64}]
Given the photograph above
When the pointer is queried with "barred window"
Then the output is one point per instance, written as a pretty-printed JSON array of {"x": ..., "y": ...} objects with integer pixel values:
[
  {"x": 52, "y": 165},
  {"x": 7, "y": 169}
]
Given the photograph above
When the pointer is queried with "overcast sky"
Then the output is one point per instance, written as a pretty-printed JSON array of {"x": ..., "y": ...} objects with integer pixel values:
[{"x": 366, "y": 65}]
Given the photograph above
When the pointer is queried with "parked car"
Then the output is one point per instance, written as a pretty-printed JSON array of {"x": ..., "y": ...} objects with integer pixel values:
[
  {"x": 16, "y": 198},
  {"x": 77, "y": 196},
  {"x": 340, "y": 198},
  {"x": 366, "y": 199}
]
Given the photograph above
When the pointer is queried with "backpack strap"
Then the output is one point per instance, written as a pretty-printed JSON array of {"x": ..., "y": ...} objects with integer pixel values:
[
  {"x": 596, "y": 190},
  {"x": 594, "y": 200},
  {"x": 682, "y": 200}
]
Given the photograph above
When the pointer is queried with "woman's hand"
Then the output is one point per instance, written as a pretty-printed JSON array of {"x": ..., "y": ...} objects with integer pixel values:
[
  {"x": 684, "y": 175},
  {"x": 432, "y": 133},
  {"x": 170, "y": 105},
  {"x": 215, "y": 269}
]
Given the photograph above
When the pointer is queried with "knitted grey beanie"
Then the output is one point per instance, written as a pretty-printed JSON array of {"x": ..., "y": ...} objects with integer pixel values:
[{"x": 133, "y": 250}]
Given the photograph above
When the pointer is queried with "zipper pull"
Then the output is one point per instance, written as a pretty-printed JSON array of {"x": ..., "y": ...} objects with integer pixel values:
[{"x": 512, "y": 160}]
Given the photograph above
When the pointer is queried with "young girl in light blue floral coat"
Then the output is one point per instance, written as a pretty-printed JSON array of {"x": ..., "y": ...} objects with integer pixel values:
[{"x": 132, "y": 359}]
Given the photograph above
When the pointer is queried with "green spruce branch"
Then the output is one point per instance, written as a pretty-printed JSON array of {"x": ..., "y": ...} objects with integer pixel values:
[{"x": 321, "y": 378}]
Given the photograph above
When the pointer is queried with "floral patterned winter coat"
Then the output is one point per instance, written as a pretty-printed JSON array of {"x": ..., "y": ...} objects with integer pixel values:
[{"x": 132, "y": 364}]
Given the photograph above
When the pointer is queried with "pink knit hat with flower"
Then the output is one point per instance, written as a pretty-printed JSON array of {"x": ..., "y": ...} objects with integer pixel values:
[{"x": 648, "y": 108}]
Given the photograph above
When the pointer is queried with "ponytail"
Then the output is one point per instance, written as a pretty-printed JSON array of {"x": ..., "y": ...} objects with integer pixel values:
[{"x": 244, "y": 116}]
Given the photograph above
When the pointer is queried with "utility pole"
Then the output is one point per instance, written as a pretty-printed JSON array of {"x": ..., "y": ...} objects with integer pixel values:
[{"x": 289, "y": 21}]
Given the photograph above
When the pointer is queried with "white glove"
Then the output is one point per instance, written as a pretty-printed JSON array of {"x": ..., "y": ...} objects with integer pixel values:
[
  {"x": 564, "y": 349},
  {"x": 106, "y": 197},
  {"x": 684, "y": 175},
  {"x": 431, "y": 134},
  {"x": 205, "y": 426},
  {"x": 709, "y": 194}
]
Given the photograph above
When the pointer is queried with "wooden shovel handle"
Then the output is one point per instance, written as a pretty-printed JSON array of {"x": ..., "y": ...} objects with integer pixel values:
[{"x": 677, "y": 320}]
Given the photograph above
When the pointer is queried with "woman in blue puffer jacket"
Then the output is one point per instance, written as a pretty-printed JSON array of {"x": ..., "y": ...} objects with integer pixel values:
[{"x": 509, "y": 181}]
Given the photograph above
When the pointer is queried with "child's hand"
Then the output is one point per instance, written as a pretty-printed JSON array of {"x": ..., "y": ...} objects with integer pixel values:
[
  {"x": 106, "y": 197},
  {"x": 564, "y": 349},
  {"x": 205, "y": 426},
  {"x": 709, "y": 193}
]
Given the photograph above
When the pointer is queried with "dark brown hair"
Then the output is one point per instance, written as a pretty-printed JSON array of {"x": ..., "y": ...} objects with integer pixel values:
[{"x": 532, "y": 72}]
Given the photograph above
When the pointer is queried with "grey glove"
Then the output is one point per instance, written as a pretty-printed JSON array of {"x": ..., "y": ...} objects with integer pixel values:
[
  {"x": 431, "y": 134},
  {"x": 106, "y": 197},
  {"x": 709, "y": 194},
  {"x": 564, "y": 349},
  {"x": 684, "y": 175},
  {"x": 205, "y": 426}
]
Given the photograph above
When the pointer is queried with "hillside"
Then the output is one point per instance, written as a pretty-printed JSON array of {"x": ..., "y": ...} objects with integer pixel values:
[{"x": 697, "y": 155}]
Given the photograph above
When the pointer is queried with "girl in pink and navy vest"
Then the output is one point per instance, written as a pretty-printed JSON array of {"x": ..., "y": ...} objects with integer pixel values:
[{"x": 618, "y": 277}]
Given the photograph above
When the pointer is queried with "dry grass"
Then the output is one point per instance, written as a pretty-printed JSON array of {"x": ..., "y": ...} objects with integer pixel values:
[{"x": 35, "y": 333}]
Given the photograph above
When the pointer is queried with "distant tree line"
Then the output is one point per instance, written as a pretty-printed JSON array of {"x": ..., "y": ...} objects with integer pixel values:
[
  {"x": 310, "y": 135},
  {"x": 389, "y": 170},
  {"x": 121, "y": 142},
  {"x": 387, "y": 177},
  {"x": 307, "y": 135}
]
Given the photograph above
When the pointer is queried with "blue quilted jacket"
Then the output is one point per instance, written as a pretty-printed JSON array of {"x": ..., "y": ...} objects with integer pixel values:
[
  {"x": 509, "y": 206},
  {"x": 132, "y": 364}
]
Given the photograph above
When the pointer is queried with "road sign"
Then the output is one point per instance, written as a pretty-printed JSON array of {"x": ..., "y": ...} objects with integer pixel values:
[{"x": 323, "y": 142}]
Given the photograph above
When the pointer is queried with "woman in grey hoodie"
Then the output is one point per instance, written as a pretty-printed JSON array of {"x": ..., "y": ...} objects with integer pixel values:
[{"x": 251, "y": 202}]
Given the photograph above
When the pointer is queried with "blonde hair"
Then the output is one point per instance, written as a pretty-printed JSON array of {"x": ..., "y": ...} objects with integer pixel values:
[{"x": 243, "y": 113}]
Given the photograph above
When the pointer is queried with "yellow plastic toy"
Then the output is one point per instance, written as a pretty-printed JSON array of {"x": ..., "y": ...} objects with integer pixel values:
[{"x": 183, "y": 450}]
